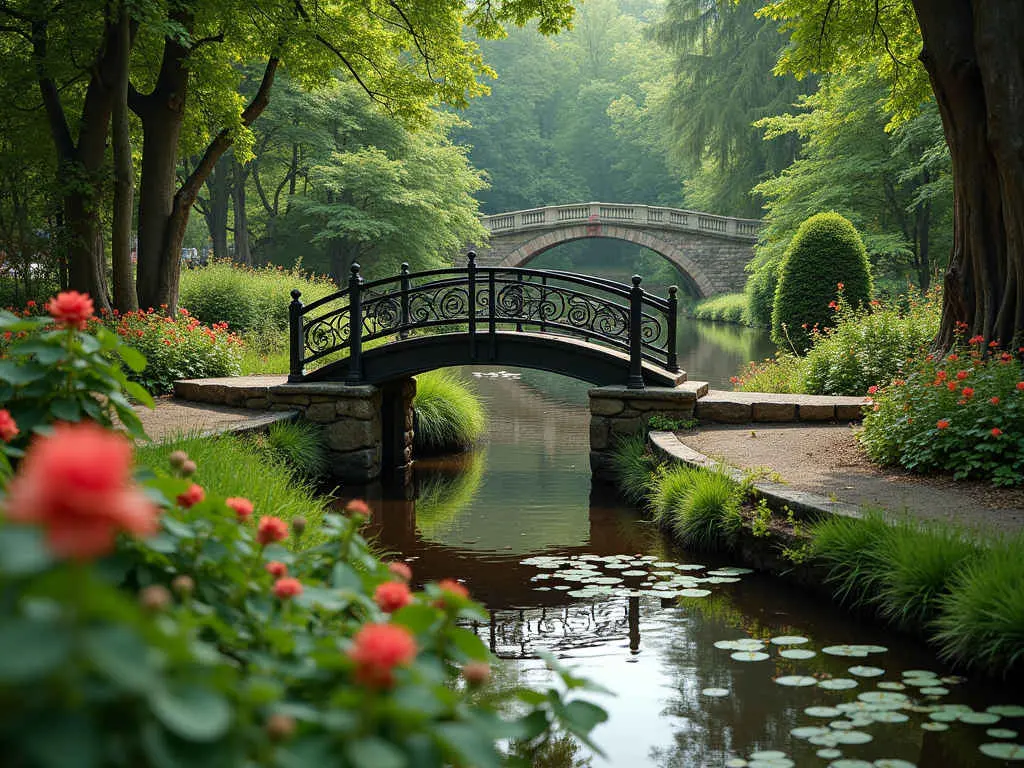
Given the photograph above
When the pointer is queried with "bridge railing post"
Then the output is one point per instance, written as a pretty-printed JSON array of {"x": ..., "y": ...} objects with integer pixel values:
[
  {"x": 673, "y": 319},
  {"x": 543, "y": 301},
  {"x": 295, "y": 336},
  {"x": 471, "y": 270},
  {"x": 519, "y": 280},
  {"x": 636, "y": 316},
  {"x": 404, "y": 332},
  {"x": 491, "y": 321},
  {"x": 355, "y": 327}
]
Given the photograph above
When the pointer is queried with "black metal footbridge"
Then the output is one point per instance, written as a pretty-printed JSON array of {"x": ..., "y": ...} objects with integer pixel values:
[{"x": 597, "y": 330}]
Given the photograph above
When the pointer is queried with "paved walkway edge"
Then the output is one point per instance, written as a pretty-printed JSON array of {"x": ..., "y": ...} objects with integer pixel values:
[
  {"x": 249, "y": 426},
  {"x": 803, "y": 504}
]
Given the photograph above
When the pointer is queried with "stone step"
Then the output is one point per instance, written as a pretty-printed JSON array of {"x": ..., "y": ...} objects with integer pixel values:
[{"x": 760, "y": 407}]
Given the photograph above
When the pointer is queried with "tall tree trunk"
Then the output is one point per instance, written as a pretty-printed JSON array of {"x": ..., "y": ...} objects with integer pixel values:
[
  {"x": 80, "y": 165},
  {"x": 216, "y": 210},
  {"x": 124, "y": 175},
  {"x": 923, "y": 222},
  {"x": 242, "y": 253},
  {"x": 164, "y": 211},
  {"x": 973, "y": 56}
]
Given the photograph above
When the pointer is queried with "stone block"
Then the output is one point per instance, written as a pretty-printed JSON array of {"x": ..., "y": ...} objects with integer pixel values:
[
  {"x": 355, "y": 466},
  {"x": 197, "y": 392},
  {"x": 724, "y": 411},
  {"x": 257, "y": 403},
  {"x": 673, "y": 404},
  {"x": 599, "y": 434},
  {"x": 409, "y": 418},
  {"x": 602, "y": 406},
  {"x": 321, "y": 413},
  {"x": 628, "y": 426},
  {"x": 365, "y": 408},
  {"x": 351, "y": 434},
  {"x": 774, "y": 412},
  {"x": 816, "y": 412},
  {"x": 288, "y": 399},
  {"x": 601, "y": 467},
  {"x": 849, "y": 413}
]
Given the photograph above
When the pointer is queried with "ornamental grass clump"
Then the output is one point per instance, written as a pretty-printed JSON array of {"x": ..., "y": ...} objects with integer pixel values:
[
  {"x": 708, "y": 518},
  {"x": 632, "y": 466},
  {"x": 151, "y": 620},
  {"x": 961, "y": 413},
  {"x": 449, "y": 415}
]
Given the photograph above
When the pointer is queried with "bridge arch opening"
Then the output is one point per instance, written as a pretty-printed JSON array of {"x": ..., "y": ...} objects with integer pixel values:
[{"x": 698, "y": 282}]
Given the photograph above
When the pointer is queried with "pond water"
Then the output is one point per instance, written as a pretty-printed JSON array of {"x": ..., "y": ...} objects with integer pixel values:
[{"x": 521, "y": 522}]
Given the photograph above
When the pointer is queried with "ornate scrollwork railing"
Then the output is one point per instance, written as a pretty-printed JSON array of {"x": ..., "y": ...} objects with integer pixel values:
[{"x": 484, "y": 301}]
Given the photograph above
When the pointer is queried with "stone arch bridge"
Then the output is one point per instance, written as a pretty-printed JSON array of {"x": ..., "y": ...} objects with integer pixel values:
[{"x": 711, "y": 250}]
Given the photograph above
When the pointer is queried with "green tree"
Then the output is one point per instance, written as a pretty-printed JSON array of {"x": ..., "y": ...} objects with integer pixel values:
[
  {"x": 970, "y": 55},
  {"x": 723, "y": 83}
]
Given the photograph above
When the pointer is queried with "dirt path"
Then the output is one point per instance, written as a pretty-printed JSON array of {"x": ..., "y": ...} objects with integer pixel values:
[
  {"x": 173, "y": 417},
  {"x": 826, "y": 460}
]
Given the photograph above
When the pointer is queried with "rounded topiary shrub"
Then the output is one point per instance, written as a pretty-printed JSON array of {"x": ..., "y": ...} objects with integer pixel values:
[{"x": 826, "y": 253}]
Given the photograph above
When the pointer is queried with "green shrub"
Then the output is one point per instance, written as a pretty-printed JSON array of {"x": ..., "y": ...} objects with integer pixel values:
[
  {"x": 449, "y": 415},
  {"x": 961, "y": 413},
  {"x": 826, "y": 257},
  {"x": 299, "y": 444},
  {"x": 981, "y": 620},
  {"x": 760, "y": 291},
  {"x": 783, "y": 374},
  {"x": 708, "y": 518},
  {"x": 248, "y": 299},
  {"x": 728, "y": 308},
  {"x": 668, "y": 490},
  {"x": 178, "y": 348},
  {"x": 870, "y": 346},
  {"x": 855, "y": 554},
  {"x": 631, "y": 468}
]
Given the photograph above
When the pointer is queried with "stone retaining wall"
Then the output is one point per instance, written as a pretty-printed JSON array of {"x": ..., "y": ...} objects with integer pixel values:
[{"x": 752, "y": 407}]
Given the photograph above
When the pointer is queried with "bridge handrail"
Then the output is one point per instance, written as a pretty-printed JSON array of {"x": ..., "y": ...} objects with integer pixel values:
[
  {"x": 623, "y": 213},
  {"x": 492, "y": 295}
]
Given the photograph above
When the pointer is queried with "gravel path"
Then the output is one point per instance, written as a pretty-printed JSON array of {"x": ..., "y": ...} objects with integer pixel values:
[
  {"x": 172, "y": 418},
  {"x": 826, "y": 459}
]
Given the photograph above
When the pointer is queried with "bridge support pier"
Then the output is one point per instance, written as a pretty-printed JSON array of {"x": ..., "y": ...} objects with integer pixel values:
[{"x": 618, "y": 412}]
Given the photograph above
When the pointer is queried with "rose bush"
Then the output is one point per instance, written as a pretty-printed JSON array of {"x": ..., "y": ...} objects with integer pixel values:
[
  {"x": 147, "y": 621},
  {"x": 961, "y": 413}
]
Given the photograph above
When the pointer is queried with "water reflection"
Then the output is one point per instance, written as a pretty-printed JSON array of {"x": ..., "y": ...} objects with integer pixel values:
[{"x": 528, "y": 492}]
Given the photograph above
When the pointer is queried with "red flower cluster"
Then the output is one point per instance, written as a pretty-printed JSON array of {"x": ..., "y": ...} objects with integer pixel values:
[
  {"x": 377, "y": 649},
  {"x": 8, "y": 427},
  {"x": 276, "y": 569},
  {"x": 287, "y": 588},
  {"x": 392, "y": 595},
  {"x": 242, "y": 507},
  {"x": 77, "y": 485},
  {"x": 71, "y": 309},
  {"x": 192, "y": 496},
  {"x": 271, "y": 529},
  {"x": 401, "y": 570}
]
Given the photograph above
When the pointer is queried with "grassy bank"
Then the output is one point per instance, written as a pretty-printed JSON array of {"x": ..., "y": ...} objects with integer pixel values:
[
  {"x": 726, "y": 308},
  {"x": 229, "y": 465},
  {"x": 962, "y": 592},
  {"x": 449, "y": 415}
]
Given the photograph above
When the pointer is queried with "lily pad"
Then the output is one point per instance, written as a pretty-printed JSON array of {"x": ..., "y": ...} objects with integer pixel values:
[
  {"x": 888, "y": 716},
  {"x": 796, "y": 681},
  {"x": 1001, "y": 733},
  {"x": 883, "y": 697},
  {"x": 749, "y": 656},
  {"x": 887, "y": 685},
  {"x": 634, "y": 573},
  {"x": 866, "y": 671},
  {"x": 828, "y": 754},
  {"x": 807, "y": 731},
  {"x": 979, "y": 718},
  {"x": 891, "y": 762},
  {"x": 934, "y": 727},
  {"x": 716, "y": 693},
  {"x": 1006, "y": 710},
  {"x": 845, "y": 650},
  {"x": 789, "y": 640},
  {"x": 768, "y": 754},
  {"x": 838, "y": 684},
  {"x": 693, "y": 592},
  {"x": 823, "y": 712},
  {"x": 796, "y": 653},
  {"x": 853, "y": 737},
  {"x": 1003, "y": 750},
  {"x": 937, "y": 690}
]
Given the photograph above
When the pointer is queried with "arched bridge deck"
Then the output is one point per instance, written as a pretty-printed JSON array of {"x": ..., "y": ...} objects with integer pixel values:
[{"x": 596, "y": 330}]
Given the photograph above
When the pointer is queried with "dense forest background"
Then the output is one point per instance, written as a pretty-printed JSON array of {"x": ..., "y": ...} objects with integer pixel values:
[{"x": 673, "y": 103}]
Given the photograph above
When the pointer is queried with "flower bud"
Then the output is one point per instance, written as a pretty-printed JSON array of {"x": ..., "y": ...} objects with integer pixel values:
[
  {"x": 188, "y": 468},
  {"x": 280, "y": 727},
  {"x": 177, "y": 459},
  {"x": 183, "y": 584},
  {"x": 298, "y": 525},
  {"x": 476, "y": 673},
  {"x": 155, "y": 598}
]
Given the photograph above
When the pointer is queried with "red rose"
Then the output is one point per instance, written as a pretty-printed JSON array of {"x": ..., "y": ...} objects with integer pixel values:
[
  {"x": 276, "y": 569},
  {"x": 287, "y": 588},
  {"x": 271, "y": 529},
  {"x": 70, "y": 309},
  {"x": 996, "y": 431},
  {"x": 242, "y": 507},
  {"x": 8, "y": 427},
  {"x": 77, "y": 485},
  {"x": 192, "y": 496},
  {"x": 392, "y": 595},
  {"x": 377, "y": 649},
  {"x": 942, "y": 423}
]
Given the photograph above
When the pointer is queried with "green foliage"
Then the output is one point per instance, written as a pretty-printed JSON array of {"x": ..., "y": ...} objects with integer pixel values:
[
  {"x": 855, "y": 553},
  {"x": 236, "y": 466},
  {"x": 449, "y": 415},
  {"x": 961, "y": 413},
  {"x": 783, "y": 373},
  {"x": 631, "y": 468},
  {"x": 709, "y": 519},
  {"x": 660, "y": 421},
  {"x": 177, "y": 348},
  {"x": 761, "y": 286},
  {"x": 723, "y": 55},
  {"x": 670, "y": 486},
  {"x": 50, "y": 374},
  {"x": 981, "y": 623},
  {"x": 728, "y": 307},
  {"x": 870, "y": 346},
  {"x": 826, "y": 257},
  {"x": 299, "y": 444},
  {"x": 443, "y": 496},
  {"x": 247, "y": 299}
]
